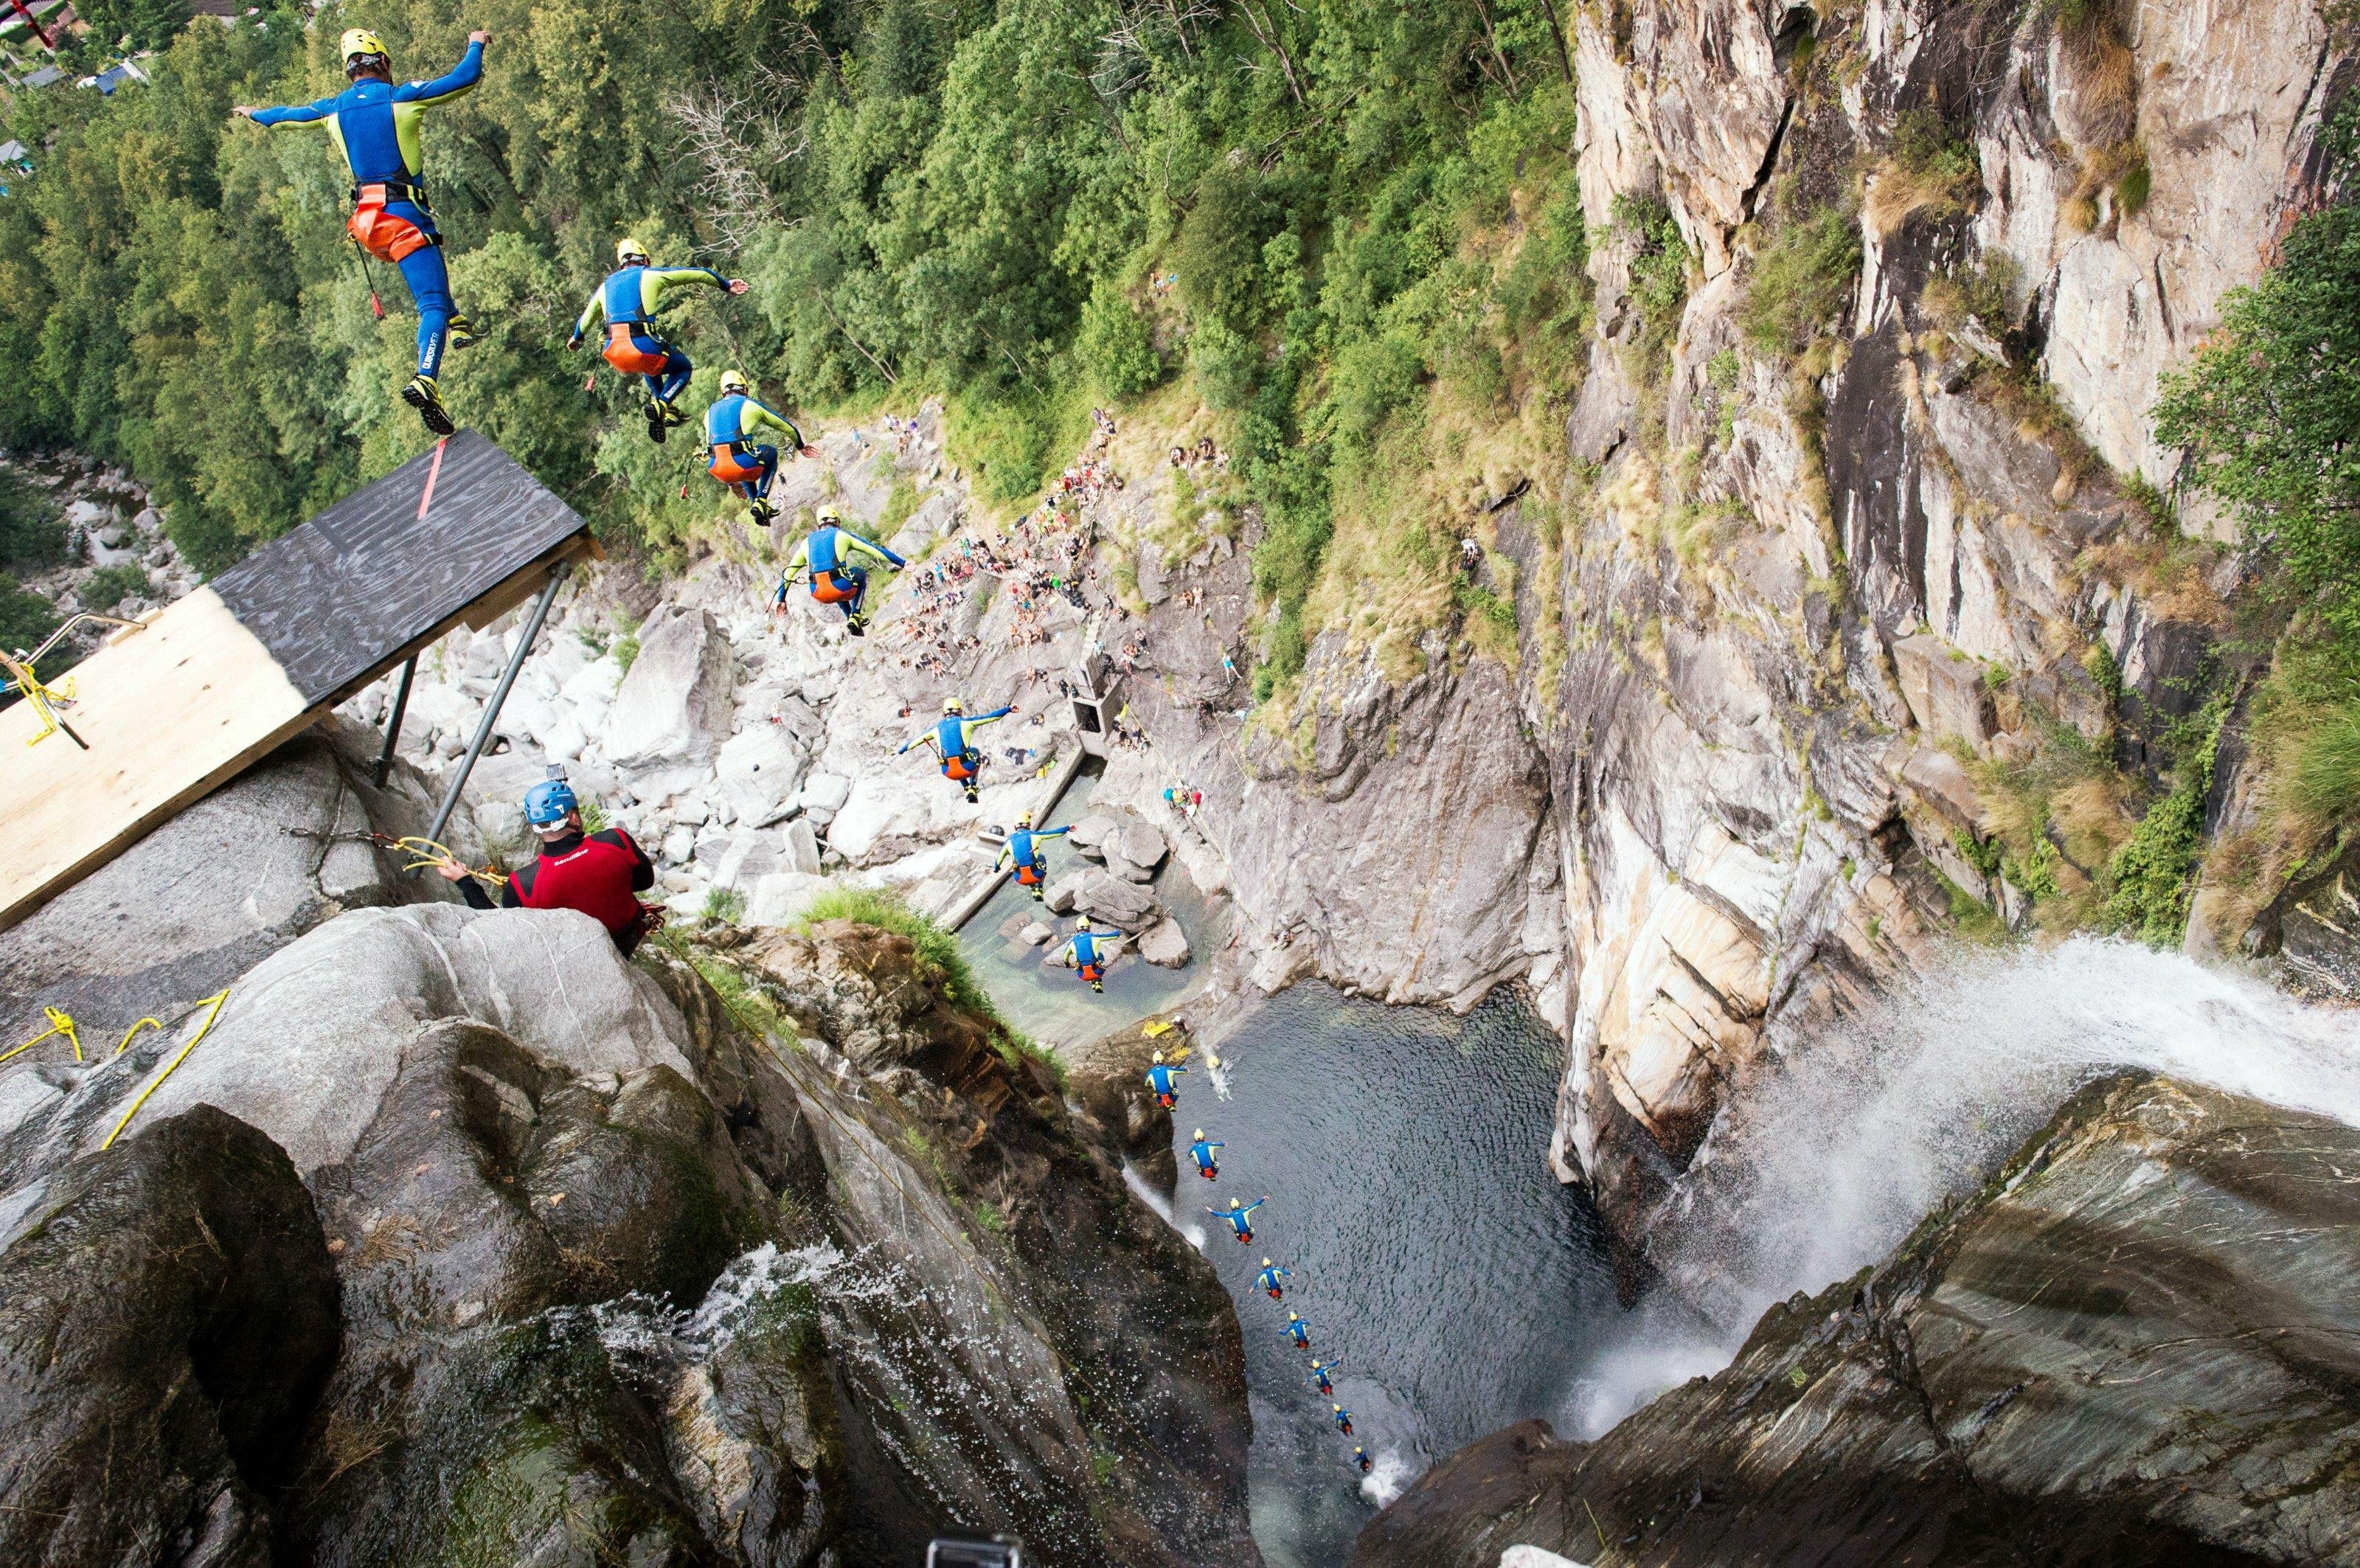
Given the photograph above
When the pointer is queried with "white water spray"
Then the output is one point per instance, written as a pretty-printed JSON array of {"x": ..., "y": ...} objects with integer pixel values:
[
  {"x": 1388, "y": 1478},
  {"x": 1193, "y": 1233},
  {"x": 1871, "y": 1123}
]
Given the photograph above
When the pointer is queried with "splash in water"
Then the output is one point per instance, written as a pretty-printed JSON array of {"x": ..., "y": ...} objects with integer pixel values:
[
  {"x": 1876, "y": 1121},
  {"x": 1386, "y": 1481}
]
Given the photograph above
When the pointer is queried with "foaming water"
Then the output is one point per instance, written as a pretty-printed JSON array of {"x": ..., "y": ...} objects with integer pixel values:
[
  {"x": 1875, "y": 1121},
  {"x": 1387, "y": 1478}
]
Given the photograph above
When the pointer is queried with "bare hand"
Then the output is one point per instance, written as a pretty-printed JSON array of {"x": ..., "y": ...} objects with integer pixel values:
[
  {"x": 808, "y": 450},
  {"x": 738, "y": 285},
  {"x": 479, "y": 37},
  {"x": 452, "y": 871},
  {"x": 242, "y": 111}
]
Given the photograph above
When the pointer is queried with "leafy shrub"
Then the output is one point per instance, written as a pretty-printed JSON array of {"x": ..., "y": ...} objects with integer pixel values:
[
  {"x": 25, "y": 617},
  {"x": 108, "y": 586},
  {"x": 32, "y": 524},
  {"x": 1114, "y": 345},
  {"x": 725, "y": 904},
  {"x": 1801, "y": 282},
  {"x": 1659, "y": 272},
  {"x": 2154, "y": 872}
]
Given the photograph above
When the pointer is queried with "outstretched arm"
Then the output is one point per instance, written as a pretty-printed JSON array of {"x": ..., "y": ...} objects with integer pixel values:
[
  {"x": 297, "y": 114},
  {"x": 461, "y": 78},
  {"x": 760, "y": 416},
  {"x": 655, "y": 283},
  {"x": 1053, "y": 832},
  {"x": 854, "y": 544}
]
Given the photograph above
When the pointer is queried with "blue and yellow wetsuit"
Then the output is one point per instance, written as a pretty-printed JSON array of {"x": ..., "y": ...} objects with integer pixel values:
[
  {"x": 630, "y": 299},
  {"x": 953, "y": 739},
  {"x": 1201, "y": 1152},
  {"x": 1023, "y": 851},
  {"x": 1159, "y": 1077},
  {"x": 1320, "y": 1371},
  {"x": 1087, "y": 960},
  {"x": 375, "y": 125},
  {"x": 1238, "y": 1215},
  {"x": 729, "y": 425},
  {"x": 832, "y": 555},
  {"x": 1268, "y": 1279},
  {"x": 1298, "y": 1330}
]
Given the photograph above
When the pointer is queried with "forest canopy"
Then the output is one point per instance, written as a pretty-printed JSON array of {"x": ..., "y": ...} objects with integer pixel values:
[{"x": 1328, "y": 215}]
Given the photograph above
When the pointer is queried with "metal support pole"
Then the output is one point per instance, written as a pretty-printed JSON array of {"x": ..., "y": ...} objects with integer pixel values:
[
  {"x": 393, "y": 723},
  {"x": 499, "y": 695}
]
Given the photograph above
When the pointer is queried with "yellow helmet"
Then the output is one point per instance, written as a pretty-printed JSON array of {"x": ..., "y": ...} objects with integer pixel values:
[
  {"x": 951, "y": 704},
  {"x": 359, "y": 41},
  {"x": 733, "y": 381},
  {"x": 828, "y": 512},
  {"x": 628, "y": 250},
  {"x": 1024, "y": 819}
]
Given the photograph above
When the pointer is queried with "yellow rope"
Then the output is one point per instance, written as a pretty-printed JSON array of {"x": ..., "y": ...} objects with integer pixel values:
[
  {"x": 46, "y": 700},
  {"x": 426, "y": 853},
  {"x": 179, "y": 1056},
  {"x": 124, "y": 1043},
  {"x": 60, "y": 1024}
]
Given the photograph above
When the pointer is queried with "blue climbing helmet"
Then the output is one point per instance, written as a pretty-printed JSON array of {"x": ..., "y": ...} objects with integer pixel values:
[{"x": 546, "y": 803}]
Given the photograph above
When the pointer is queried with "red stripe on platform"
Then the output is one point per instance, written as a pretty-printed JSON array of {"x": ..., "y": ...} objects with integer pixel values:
[{"x": 433, "y": 469}]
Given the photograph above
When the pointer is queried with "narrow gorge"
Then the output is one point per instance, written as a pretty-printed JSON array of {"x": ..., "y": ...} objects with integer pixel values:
[{"x": 1738, "y": 789}]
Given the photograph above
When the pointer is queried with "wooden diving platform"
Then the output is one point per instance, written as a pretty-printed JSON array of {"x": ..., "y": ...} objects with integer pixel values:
[{"x": 206, "y": 686}]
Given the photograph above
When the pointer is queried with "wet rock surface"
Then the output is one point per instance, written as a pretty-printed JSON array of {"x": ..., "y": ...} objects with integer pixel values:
[
  {"x": 168, "y": 1314},
  {"x": 627, "y": 1272},
  {"x": 2133, "y": 1345}
]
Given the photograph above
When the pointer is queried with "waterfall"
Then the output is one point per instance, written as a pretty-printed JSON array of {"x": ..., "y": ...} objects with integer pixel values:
[{"x": 1867, "y": 1126}]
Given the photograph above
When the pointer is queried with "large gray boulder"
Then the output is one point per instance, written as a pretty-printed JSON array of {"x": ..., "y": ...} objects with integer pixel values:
[
  {"x": 2140, "y": 1343},
  {"x": 214, "y": 891},
  {"x": 760, "y": 770},
  {"x": 674, "y": 703},
  {"x": 312, "y": 1040},
  {"x": 1104, "y": 898},
  {"x": 1164, "y": 944},
  {"x": 167, "y": 1315}
]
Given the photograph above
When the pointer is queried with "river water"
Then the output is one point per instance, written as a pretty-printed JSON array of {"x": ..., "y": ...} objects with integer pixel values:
[{"x": 1403, "y": 1152}]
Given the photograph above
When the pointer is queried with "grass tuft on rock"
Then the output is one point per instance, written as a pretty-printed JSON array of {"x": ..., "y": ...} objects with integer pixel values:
[{"x": 938, "y": 951}]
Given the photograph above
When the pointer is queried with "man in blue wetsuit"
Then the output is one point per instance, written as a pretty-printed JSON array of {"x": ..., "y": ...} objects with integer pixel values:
[
  {"x": 1090, "y": 959},
  {"x": 832, "y": 553},
  {"x": 1023, "y": 852},
  {"x": 1343, "y": 1419},
  {"x": 1202, "y": 1153},
  {"x": 953, "y": 739},
  {"x": 375, "y": 125},
  {"x": 1160, "y": 1078},
  {"x": 1268, "y": 1279},
  {"x": 1320, "y": 1374},
  {"x": 1238, "y": 1215},
  {"x": 1361, "y": 1457},
  {"x": 629, "y": 299},
  {"x": 1298, "y": 1330},
  {"x": 733, "y": 426}
]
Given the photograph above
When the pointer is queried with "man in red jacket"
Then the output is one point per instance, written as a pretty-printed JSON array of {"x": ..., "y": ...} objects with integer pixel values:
[{"x": 595, "y": 873}]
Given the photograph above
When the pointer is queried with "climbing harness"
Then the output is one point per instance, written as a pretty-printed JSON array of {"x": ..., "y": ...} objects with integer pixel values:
[
  {"x": 48, "y": 700},
  {"x": 423, "y": 852}
]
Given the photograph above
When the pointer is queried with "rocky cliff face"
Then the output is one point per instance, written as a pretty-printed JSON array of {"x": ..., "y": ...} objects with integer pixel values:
[
  {"x": 1800, "y": 588},
  {"x": 2133, "y": 1345},
  {"x": 564, "y": 1257}
]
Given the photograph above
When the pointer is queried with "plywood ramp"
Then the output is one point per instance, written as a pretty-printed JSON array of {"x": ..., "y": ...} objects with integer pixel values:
[{"x": 212, "y": 684}]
